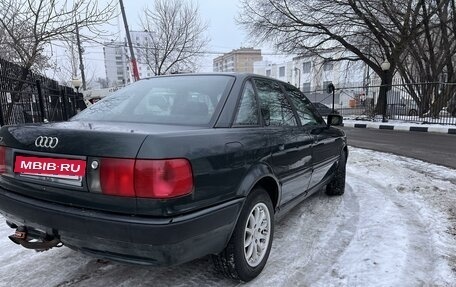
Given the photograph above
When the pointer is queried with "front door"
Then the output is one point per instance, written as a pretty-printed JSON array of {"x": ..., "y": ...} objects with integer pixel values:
[{"x": 291, "y": 155}]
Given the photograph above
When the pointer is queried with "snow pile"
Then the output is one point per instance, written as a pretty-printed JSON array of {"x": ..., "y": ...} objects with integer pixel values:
[{"x": 395, "y": 226}]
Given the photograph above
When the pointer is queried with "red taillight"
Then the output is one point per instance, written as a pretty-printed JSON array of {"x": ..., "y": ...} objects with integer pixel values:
[
  {"x": 159, "y": 179},
  {"x": 2, "y": 159},
  {"x": 163, "y": 178},
  {"x": 117, "y": 176}
]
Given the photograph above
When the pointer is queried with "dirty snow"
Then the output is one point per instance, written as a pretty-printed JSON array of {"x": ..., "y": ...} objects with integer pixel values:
[{"x": 395, "y": 226}]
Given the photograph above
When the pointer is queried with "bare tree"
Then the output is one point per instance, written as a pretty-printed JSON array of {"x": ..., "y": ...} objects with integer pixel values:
[
  {"x": 30, "y": 26},
  {"x": 369, "y": 30},
  {"x": 175, "y": 37},
  {"x": 431, "y": 58}
]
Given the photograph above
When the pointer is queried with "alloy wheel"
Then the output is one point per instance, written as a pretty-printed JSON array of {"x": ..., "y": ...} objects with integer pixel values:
[{"x": 257, "y": 234}]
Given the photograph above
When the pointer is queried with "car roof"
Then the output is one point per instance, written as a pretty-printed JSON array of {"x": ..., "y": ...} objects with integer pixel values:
[{"x": 237, "y": 75}]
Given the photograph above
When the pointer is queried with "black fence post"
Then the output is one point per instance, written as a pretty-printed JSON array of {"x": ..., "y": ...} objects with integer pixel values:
[
  {"x": 64, "y": 102},
  {"x": 74, "y": 103},
  {"x": 2, "y": 121},
  {"x": 40, "y": 100}
]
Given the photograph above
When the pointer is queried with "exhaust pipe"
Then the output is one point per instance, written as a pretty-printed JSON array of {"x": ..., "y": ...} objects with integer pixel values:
[{"x": 34, "y": 239}]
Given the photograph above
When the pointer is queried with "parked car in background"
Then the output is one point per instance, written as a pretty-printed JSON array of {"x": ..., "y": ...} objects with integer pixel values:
[
  {"x": 170, "y": 169},
  {"x": 403, "y": 108},
  {"x": 324, "y": 110}
]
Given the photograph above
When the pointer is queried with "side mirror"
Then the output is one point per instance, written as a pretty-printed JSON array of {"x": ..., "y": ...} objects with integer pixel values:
[
  {"x": 335, "y": 120},
  {"x": 266, "y": 115}
]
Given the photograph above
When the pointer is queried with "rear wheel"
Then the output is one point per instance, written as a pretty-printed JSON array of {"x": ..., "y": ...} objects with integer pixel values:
[
  {"x": 248, "y": 249},
  {"x": 337, "y": 184}
]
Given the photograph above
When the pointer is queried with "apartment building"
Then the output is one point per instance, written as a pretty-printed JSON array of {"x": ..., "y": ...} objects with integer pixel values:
[
  {"x": 117, "y": 59},
  {"x": 141, "y": 42},
  {"x": 238, "y": 60},
  {"x": 116, "y": 62}
]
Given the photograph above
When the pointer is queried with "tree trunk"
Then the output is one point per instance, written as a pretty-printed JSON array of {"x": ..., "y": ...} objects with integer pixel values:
[
  {"x": 442, "y": 100},
  {"x": 387, "y": 79}
]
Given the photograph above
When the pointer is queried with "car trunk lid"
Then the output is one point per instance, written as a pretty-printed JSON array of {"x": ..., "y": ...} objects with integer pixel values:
[
  {"x": 75, "y": 142},
  {"x": 75, "y": 138}
]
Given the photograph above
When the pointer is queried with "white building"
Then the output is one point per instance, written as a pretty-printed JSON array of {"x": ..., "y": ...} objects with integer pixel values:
[
  {"x": 313, "y": 74},
  {"x": 140, "y": 42},
  {"x": 282, "y": 71},
  {"x": 116, "y": 63},
  {"x": 117, "y": 60}
]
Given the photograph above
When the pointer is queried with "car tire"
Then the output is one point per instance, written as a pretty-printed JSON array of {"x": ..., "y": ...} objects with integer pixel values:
[
  {"x": 239, "y": 260},
  {"x": 337, "y": 185},
  {"x": 413, "y": 113}
]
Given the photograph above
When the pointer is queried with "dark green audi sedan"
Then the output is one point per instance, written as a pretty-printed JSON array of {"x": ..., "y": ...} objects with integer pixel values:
[{"x": 170, "y": 169}]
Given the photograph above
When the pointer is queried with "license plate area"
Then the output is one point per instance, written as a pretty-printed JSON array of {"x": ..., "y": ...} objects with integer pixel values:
[{"x": 50, "y": 169}]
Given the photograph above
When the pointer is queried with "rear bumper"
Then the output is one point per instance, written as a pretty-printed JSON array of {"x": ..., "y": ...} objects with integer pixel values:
[{"x": 127, "y": 238}]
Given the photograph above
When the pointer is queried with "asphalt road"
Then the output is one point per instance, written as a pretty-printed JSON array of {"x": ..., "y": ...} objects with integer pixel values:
[{"x": 430, "y": 147}]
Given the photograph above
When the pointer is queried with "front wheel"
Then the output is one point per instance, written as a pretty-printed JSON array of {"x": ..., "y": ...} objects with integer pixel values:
[
  {"x": 337, "y": 185},
  {"x": 248, "y": 249}
]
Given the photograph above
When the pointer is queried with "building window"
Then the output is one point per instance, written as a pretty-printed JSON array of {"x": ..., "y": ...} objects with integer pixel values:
[
  {"x": 306, "y": 87},
  {"x": 268, "y": 73},
  {"x": 281, "y": 71},
  {"x": 325, "y": 84},
  {"x": 328, "y": 66},
  {"x": 306, "y": 66}
]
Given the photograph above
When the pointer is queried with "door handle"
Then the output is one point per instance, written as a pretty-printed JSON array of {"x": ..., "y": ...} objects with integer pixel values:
[{"x": 282, "y": 147}]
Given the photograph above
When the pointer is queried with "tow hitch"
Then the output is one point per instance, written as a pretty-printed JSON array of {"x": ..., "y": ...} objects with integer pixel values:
[{"x": 34, "y": 239}]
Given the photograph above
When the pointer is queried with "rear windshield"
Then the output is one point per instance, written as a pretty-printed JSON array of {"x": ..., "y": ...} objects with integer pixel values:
[{"x": 186, "y": 100}]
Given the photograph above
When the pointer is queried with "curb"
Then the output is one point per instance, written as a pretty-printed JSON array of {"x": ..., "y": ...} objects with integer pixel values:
[{"x": 443, "y": 130}]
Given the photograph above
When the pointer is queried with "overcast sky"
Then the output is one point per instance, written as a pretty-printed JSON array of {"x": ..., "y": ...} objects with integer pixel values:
[
  {"x": 225, "y": 35},
  {"x": 220, "y": 15}
]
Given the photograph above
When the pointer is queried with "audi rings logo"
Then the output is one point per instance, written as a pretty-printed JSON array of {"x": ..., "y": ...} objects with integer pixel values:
[{"x": 48, "y": 142}]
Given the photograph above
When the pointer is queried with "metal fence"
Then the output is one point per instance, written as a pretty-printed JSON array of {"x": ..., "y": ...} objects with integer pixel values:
[
  {"x": 426, "y": 103},
  {"x": 26, "y": 97}
]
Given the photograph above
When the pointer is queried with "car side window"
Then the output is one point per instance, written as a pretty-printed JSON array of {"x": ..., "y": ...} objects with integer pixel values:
[
  {"x": 303, "y": 107},
  {"x": 275, "y": 108},
  {"x": 247, "y": 114}
]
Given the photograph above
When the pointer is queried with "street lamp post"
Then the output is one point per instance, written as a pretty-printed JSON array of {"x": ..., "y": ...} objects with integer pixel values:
[
  {"x": 76, "y": 84},
  {"x": 385, "y": 68}
]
